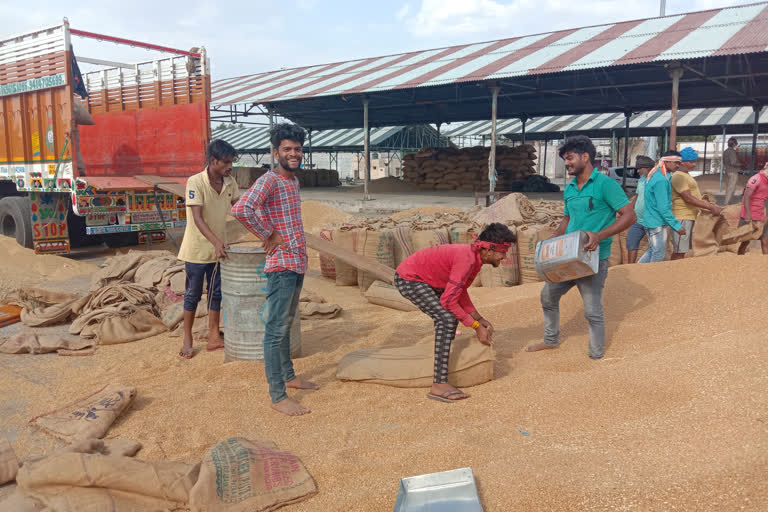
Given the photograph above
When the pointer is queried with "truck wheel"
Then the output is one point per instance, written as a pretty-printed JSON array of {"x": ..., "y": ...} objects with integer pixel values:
[{"x": 15, "y": 220}]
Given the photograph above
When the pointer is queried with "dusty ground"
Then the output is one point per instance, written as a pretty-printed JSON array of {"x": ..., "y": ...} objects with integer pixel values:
[{"x": 673, "y": 418}]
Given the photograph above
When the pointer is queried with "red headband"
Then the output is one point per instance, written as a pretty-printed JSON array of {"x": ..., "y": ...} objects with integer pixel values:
[{"x": 492, "y": 246}]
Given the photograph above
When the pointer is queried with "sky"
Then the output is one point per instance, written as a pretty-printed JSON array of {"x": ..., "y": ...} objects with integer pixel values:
[{"x": 244, "y": 38}]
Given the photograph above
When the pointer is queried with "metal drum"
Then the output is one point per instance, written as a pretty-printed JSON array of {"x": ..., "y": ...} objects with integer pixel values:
[{"x": 243, "y": 305}]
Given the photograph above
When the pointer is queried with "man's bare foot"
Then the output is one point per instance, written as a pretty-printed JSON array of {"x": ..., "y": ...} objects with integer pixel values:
[
  {"x": 299, "y": 383},
  {"x": 537, "y": 347},
  {"x": 187, "y": 352},
  {"x": 290, "y": 407},
  {"x": 215, "y": 342},
  {"x": 447, "y": 391}
]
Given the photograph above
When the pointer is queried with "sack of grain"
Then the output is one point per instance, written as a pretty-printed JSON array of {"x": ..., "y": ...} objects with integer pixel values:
[
  {"x": 461, "y": 234},
  {"x": 377, "y": 245},
  {"x": 506, "y": 274},
  {"x": 327, "y": 265},
  {"x": 241, "y": 475},
  {"x": 470, "y": 364},
  {"x": 527, "y": 238},
  {"x": 431, "y": 238},
  {"x": 346, "y": 274},
  {"x": 9, "y": 464},
  {"x": 89, "y": 417},
  {"x": 383, "y": 294}
]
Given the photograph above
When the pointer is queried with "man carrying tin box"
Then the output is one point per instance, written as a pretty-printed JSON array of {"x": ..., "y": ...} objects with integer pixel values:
[{"x": 596, "y": 204}]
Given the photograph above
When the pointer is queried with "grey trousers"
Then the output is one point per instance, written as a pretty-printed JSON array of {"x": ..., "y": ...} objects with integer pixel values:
[{"x": 591, "y": 290}]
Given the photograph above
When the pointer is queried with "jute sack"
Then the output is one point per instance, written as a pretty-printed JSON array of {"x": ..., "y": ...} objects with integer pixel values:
[
  {"x": 383, "y": 294},
  {"x": 346, "y": 274},
  {"x": 506, "y": 274},
  {"x": 432, "y": 238},
  {"x": 89, "y": 417},
  {"x": 402, "y": 246},
  {"x": 377, "y": 245},
  {"x": 9, "y": 464},
  {"x": 470, "y": 364},
  {"x": 527, "y": 238},
  {"x": 87, "y": 480},
  {"x": 461, "y": 234},
  {"x": 240, "y": 475},
  {"x": 327, "y": 265}
]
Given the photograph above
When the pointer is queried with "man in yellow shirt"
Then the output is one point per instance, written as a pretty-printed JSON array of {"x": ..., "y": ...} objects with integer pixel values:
[
  {"x": 686, "y": 202},
  {"x": 209, "y": 196}
]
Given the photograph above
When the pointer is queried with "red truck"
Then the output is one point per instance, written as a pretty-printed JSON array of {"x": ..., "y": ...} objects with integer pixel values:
[{"x": 65, "y": 184}]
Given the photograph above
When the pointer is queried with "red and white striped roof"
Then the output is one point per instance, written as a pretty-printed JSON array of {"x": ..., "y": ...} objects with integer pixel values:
[{"x": 727, "y": 31}]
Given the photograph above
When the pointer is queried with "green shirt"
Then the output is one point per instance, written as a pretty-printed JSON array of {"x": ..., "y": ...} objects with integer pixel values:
[{"x": 594, "y": 207}]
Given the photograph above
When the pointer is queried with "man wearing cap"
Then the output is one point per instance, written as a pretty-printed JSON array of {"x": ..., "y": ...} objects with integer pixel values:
[
  {"x": 436, "y": 279},
  {"x": 753, "y": 207},
  {"x": 686, "y": 202},
  {"x": 731, "y": 166},
  {"x": 657, "y": 214},
  {"x": 636, "y": 232}
]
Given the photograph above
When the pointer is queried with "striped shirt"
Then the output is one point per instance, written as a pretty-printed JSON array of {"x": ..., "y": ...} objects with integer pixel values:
[{"x": 273, "y": 204}]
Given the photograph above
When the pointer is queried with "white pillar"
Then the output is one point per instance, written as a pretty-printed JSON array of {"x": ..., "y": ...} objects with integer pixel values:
[
  {"x": 492, "y": 153},
  {"x": 366, "y": 151}
]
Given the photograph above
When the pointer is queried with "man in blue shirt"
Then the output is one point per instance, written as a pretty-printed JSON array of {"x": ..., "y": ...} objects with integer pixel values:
[
  {"x": 658, "y": 208},
  {"x": 596, "y": 204},
  {"x": 636, "y": 232}
]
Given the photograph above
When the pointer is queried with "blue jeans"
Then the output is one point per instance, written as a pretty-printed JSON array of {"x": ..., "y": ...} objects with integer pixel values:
[
  {"x": 591, "y": 290},
  {"x": 635, "y": 234},
  {"x": 657, "y": 245},
  {"x": 197, "y": 274},
  {"x": 283, "y": 292}
]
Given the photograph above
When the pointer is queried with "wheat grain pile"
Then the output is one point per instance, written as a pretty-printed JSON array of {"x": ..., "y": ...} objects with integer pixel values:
[{"x": 673, "y": 418}]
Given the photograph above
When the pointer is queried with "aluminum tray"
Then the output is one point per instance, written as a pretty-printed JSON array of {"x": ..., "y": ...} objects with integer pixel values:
[{"x": 448, "y": 491}]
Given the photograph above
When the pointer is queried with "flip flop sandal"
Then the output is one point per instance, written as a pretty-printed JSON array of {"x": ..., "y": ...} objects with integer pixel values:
[
  {"x": 444, "y": 397},
  {"x": 190, "y": 356}
]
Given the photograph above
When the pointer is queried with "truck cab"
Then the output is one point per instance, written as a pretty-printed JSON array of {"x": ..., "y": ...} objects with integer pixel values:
[{"x": 100, "y": 155}]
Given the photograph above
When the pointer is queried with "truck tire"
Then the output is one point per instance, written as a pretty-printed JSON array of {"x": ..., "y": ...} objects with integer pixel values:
[{"x": 15, "y": 219}]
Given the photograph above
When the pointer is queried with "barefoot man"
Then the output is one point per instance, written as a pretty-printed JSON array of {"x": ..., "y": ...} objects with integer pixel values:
[
  {"x": 209, "y": 197},
  {"x": 436, "y": 280},
  {"x": 596, "y": 204},
  {"x": 271, "y": 209}
]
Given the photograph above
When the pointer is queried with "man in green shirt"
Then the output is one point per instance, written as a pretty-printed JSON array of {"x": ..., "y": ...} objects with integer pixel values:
[{"x": 596, "y": 204}]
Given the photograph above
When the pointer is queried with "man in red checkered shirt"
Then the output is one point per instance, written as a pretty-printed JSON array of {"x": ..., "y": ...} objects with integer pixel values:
[{"x": 271, "y": 209}]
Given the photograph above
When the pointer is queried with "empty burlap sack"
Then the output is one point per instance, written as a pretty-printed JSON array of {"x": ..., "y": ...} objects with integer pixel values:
[
  {"x": 316, "y": 310},
  {"x": 470, "y": 364},
  {"x": 376, "y": 245},
  {"x": 240, "y": 475},
  {"x": 89, "y": 417},
  {"x": 327, "y": 265},
  {"x": 707, "y": 234},
  {"x": 87, "y": 480},
  {"x": 385, "y": 294},
  {"x": 346, "y": 274},
  {"x": 150, "y": 273},
  {"x": 41, "y": 307},
  {"x": 27, "y": 342},
  {"x": 123, "y": 267},
  {"x": 118, "y": 324},
  {"x": 431, "y": 238},
  {"x": 506, "y": 274},
  {"x": 9, "y": 464},
  {"x": 527, "y": 238}
]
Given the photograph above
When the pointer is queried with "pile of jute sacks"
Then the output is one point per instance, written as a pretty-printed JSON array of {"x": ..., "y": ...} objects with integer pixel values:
[{"x": 390, "y": 240}]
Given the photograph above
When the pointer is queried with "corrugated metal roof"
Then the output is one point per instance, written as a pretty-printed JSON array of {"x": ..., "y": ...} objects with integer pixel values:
[
  {"x": 696, "y": 117},
  {"x": 731, "y": 30},
  {"x": 257, "y": 139}
]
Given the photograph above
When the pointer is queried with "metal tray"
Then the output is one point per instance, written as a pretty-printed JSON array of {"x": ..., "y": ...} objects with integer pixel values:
[{"x": 447, "y": 491}]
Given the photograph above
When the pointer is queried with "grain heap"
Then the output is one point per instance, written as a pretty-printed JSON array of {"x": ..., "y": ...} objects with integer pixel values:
[{"x": 467, "y": 169}]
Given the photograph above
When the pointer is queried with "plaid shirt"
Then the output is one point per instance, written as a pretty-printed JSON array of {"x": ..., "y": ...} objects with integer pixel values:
[{"x": 273, "y": 204}]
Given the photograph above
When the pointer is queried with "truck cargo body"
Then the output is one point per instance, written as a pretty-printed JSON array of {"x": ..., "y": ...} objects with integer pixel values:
[{"x": 62, "y": 182}]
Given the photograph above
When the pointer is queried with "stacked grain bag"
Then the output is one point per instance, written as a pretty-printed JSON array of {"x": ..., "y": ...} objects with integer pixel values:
[{"x": 467, "y": 169}]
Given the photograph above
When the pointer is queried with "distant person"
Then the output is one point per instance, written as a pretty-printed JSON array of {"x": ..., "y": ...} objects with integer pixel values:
[
  {"x": 686, "y": 202},
  {"x": 753, "y": 207},
  {"x": 436, "y": 280},
  {"x": 271, "y": 209},
  {"x": 636, "y": 232},
  {"x": 657, "y": 214},
  {"x": 209, "y": 196},
  {"x": 731, "y": 168},
  {"x": 596, "y": 204}
]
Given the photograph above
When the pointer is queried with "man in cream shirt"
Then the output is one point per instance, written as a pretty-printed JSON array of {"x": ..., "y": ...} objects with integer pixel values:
[{"x": 209, "y": 196}]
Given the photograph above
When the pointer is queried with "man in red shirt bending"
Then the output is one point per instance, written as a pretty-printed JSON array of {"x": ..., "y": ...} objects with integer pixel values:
[
  {"x": 436, "y": 280},
  {"x": 753, "y": 207}
]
